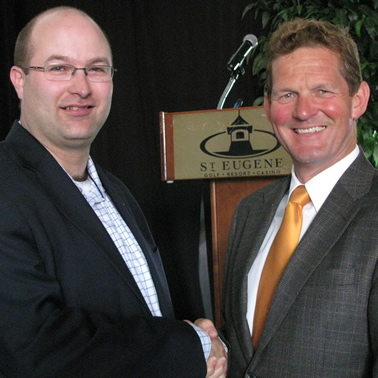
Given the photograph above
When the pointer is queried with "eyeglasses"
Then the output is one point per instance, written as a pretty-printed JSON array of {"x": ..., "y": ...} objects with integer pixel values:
[{"x": 64, "y": 72}]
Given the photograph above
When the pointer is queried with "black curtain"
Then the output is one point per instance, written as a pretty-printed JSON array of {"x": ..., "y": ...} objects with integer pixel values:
[{"x": 170, "y": 56}]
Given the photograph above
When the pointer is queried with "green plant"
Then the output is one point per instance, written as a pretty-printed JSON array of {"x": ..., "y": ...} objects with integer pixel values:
[{"x": 361, "y": 18}]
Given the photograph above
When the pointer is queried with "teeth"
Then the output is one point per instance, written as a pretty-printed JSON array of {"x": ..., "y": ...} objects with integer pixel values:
[
  {"x": 76, "y": 107},
  {"x": 310, "y": 130}
]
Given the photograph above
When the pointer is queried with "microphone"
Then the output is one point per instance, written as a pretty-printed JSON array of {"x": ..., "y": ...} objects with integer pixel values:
[{"x": 236, "y": 61}]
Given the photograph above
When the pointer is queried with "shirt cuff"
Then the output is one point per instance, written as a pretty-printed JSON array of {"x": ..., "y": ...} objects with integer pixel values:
[{"x": 205, "y": 340}]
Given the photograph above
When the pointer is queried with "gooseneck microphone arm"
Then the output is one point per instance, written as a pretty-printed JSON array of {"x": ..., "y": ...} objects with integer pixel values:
[
  {"x": 236, "y": 65},
  {"x": 226, "y": 91}
]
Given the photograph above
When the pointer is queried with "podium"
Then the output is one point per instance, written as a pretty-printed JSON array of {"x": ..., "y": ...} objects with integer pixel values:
[{"x": 236, "y": 150}]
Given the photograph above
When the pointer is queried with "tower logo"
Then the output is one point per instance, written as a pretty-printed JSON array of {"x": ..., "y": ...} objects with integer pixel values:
[{"x": 239, "y": 135}]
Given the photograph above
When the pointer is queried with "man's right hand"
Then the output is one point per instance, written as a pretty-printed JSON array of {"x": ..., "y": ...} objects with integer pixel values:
[{"x": 217, "y": 361}]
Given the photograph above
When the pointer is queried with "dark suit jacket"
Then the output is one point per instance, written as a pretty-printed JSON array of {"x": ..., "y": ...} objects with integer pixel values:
[
  {"x": 68, "y": 303},
  {"x": 323, "y": 321}
]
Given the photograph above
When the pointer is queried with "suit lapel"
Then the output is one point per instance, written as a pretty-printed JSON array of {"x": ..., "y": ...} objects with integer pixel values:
[
  {"x": 252, "y": 234},
  {"x": 334, "y": 217}
]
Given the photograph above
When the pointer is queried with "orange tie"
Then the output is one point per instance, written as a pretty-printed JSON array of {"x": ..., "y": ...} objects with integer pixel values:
[{"x": 279, "y": 255}]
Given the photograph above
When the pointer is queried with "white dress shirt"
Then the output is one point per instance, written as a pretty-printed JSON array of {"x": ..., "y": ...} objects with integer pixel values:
[{"x": 318, "y": 188}]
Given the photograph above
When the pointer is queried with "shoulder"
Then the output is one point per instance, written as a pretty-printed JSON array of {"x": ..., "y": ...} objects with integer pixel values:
[
  {"x": 268, "y": 194},
  {"x": 360, "y": 180},
  {"x": 261, "y": 203},
  {"x": 12, "y": 171}
]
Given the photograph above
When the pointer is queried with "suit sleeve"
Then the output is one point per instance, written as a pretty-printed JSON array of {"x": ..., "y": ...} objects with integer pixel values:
[
  {"x": 41, "y": 336},
  {"x": 373, "y": 321}
]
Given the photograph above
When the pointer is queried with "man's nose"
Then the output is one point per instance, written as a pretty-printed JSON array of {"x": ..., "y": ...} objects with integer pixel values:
[
  {"x": 305, "y": 107},
  {"x": 80, "y": 83}
]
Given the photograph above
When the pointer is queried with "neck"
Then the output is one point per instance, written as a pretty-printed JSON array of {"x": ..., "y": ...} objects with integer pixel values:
[
  {"x": 82, "y": 177},
  {"x": 74, "y": 163},
  {"x": 305, "y": 172}
]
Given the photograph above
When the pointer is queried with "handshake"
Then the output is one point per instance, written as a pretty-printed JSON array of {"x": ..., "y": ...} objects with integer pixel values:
[{"x": 217, "y": 360}]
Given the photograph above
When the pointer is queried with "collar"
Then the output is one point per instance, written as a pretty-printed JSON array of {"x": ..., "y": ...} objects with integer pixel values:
[{"x": 321, "y": 185}]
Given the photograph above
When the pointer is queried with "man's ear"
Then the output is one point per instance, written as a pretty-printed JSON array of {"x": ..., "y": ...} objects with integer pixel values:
[
  {"x": 267, "y": 106},
  {"x": 360, "y": 100},
  {"x": 17, "y": 76}
]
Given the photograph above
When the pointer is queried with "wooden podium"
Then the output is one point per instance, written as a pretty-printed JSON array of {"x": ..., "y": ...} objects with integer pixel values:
[{"x": 236, "y": 150}]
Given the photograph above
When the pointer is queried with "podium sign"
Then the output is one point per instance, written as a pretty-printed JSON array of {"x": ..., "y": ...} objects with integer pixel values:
[
  {"x": 237, "y": 150},
  {"x": 216, "y": 144}
]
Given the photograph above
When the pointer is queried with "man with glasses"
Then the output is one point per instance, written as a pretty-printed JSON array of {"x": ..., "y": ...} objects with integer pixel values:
[
  {"x": 82, "y": 286},
  {"x": 64, "y": 72}
]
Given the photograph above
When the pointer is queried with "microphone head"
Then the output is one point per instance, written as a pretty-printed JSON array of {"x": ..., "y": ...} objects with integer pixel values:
[
  {"x": 235, "y": 64},
  {"x": 251, "y": 38}
]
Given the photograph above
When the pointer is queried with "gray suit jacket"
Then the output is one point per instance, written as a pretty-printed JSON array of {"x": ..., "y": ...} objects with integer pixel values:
[{"x": 323, "y": 321}]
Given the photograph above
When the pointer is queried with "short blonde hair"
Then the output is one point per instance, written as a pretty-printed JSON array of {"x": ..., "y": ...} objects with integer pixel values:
[{"x": 298, "y": 33}]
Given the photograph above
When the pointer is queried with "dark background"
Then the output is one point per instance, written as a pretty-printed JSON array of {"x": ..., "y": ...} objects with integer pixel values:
[{"x": 170, "y": 56}]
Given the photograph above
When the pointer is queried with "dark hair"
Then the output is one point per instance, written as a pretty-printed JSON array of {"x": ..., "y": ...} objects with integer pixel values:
[{"x": 298, "y": 33}]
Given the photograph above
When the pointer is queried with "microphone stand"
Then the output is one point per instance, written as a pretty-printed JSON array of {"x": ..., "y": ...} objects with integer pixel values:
[{"x": 234, "y": 76}]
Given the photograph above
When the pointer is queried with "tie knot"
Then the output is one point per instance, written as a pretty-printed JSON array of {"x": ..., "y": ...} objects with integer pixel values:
[{"x": 300, "y": 196}]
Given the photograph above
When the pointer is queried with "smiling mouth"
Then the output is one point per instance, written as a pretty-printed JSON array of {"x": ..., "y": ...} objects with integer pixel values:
[
  {"x": 76, "y": 107},
  {"x": 310, "y": 130}
]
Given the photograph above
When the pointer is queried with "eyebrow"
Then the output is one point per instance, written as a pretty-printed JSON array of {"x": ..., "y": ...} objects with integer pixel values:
[
  {"x": 95, "y": 60},
  {"x": 280, "y": 91}
]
